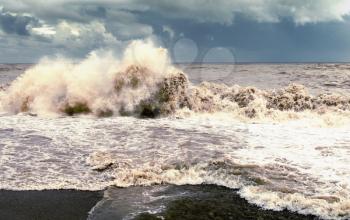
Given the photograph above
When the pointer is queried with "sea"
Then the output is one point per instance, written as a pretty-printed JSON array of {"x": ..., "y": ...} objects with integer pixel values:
[{"x": 294, "y": 159}]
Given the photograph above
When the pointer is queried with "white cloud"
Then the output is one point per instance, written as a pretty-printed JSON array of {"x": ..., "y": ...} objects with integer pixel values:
[
  {"x": 44, "y": 30},
  {"x": 76, "y": 35},
  {"x": 74, "y": 39}
]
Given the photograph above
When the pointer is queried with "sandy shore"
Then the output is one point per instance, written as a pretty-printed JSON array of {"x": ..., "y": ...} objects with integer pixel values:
[{"x": 47, "y": 204}]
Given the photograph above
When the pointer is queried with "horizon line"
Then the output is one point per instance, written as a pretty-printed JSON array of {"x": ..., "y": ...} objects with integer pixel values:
[{"x": 242, "y": 62}]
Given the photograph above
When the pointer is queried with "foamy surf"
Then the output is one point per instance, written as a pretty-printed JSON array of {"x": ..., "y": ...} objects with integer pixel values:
[
  {"x": 144, "y": 84},
  {"x": 282, "y": 148},
  {"x": 275, "y": 166}
]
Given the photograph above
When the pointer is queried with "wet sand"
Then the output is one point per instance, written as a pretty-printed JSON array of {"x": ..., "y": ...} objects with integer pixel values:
[
  {"x": 185, "y": 202},
  {"x": 47, "y": 204},
  {"x": 204, "y": 202},
  {"x": 212, "y": 202}
]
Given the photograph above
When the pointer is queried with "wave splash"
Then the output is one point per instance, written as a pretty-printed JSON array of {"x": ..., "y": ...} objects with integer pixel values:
[
  {"x": 144, "y": 83},
  {"x": 100, "y": 84}
]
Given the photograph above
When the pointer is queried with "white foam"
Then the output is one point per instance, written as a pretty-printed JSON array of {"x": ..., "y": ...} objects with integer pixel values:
[{"x": 277, "y": 166}]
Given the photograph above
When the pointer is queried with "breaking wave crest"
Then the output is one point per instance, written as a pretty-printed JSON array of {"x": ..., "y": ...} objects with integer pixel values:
[
  {"x": 144, "y": 83},
  {"x": 100, "y": 84}
]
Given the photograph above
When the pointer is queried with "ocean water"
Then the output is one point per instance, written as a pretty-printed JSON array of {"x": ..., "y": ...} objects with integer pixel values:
[{"x": 295, "y": 160}]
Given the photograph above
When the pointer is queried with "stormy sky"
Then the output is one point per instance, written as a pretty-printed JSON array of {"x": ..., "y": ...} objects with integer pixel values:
[{"x": 193, "y": 30}]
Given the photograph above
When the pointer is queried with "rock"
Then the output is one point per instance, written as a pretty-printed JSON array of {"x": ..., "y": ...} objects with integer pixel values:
[
  {"x": 77, "y": 108},
  {"x": 149, "y": 109}
]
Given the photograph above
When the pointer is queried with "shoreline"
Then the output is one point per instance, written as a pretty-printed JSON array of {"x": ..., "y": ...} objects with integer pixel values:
[
  {"x": 47, "y": 204},
  {"x": 205, "y": 202}
]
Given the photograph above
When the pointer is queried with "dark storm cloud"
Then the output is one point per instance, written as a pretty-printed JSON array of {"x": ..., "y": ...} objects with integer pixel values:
[
  {"x": 256, "y": 30},
  {"x": 95, "y": 11},
  {"x": 16, "y": 24},
  {"x": 263, "y": 42}
]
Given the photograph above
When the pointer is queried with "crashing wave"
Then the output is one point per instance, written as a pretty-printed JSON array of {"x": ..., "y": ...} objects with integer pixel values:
[
  {"x": 144, "y": 83},
  {"x": 253, "y": 102},
  {"x": 101, "y": 84}
]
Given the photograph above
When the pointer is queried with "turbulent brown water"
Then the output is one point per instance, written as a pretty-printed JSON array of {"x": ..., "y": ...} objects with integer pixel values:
[{"x": 279, "y": 133}]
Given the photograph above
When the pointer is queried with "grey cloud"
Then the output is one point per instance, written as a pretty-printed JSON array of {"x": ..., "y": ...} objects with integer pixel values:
[
  {"x": 95, "y": 11},
  {"x": 127, "y": 31},
  {"x": 15, "y": 23},
  {"x": 216, "y": 11},
  {"x": 76, "y": 27},
  {"x": 71, "y": 28},
  {"x": 223, "y": 11}
]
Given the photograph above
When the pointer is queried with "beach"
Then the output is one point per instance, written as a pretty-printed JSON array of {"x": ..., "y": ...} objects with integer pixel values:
[
  {"x": 47, "y": 204},
  {"x": 198, "y": 202}
]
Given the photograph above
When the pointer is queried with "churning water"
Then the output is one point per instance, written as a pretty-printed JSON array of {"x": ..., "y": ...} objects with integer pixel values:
[{"x": 281, "y": 146}]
